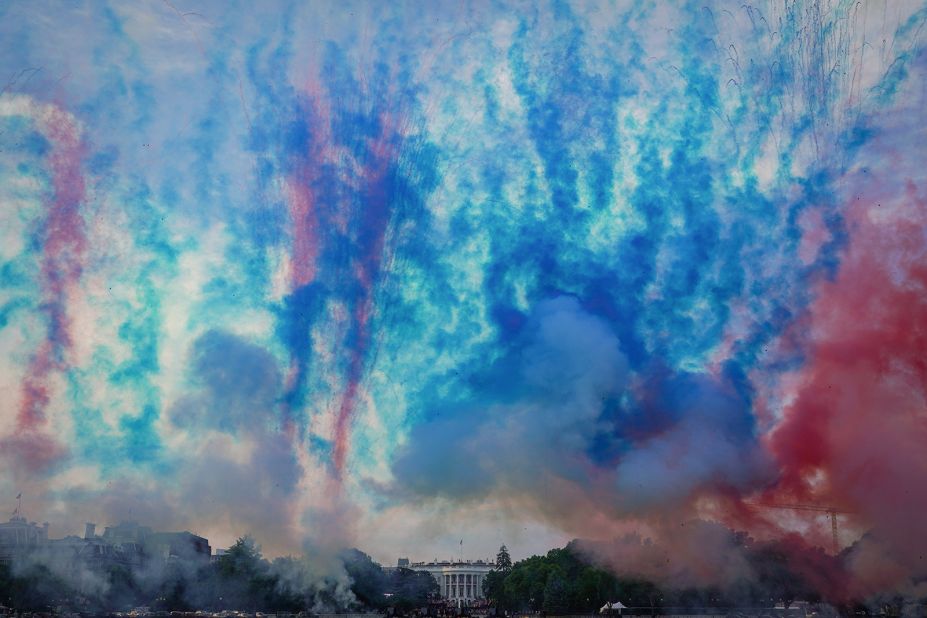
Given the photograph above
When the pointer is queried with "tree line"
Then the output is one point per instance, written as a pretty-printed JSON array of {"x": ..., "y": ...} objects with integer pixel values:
[
  {"x": 567, "y": 581},
  {"x": 564, "y": 581},
  {"x": 561, "y": 582},
  {"x": 240, "y": 579}
]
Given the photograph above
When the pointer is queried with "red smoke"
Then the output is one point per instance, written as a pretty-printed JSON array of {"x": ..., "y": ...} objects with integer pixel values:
[
  {"x": 302, "y": 185},
  {"x": 375, "y": 179},
  {"x": 855, "y": 435},
  {"x": 338, "y": 196},
  {"x": 304, "y": 209},
  {"x": 63, "y": 253}
]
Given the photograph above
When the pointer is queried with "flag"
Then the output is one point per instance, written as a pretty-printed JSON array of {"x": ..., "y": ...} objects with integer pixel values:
[{"x": 461, "y": 541}]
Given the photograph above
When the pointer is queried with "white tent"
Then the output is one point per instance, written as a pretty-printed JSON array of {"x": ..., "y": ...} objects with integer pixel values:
[{"x": 609, "y": 607}]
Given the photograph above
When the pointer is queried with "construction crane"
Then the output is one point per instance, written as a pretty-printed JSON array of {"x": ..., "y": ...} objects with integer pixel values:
[{"x": 829, "y": 510}]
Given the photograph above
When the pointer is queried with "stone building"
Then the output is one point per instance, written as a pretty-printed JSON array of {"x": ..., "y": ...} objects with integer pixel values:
[
  {"x": 127, "y": 544},
  {"x": 459, "y": 581},
  {"x": 18, "y": 536}
]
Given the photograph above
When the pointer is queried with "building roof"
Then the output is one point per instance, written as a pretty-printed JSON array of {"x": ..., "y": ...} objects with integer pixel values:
[{"x": 453, "y": 563}]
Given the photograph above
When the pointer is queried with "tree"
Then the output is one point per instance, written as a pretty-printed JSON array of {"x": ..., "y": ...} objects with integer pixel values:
[
  {"x": 242, "y": 558},
  {"x": 525, "y": 583},
  {"x": 411, "y": 589},
  {"x": 503, "y": 560},
  {"x": 494, "y": 589},
  {"x": 123, "y": 591},
  {"x": 33, "y": 588},
  {"x": 171, "y": 594},
  {"x": 775, "y": 577},
  {"x": 556, "y": 595},
  {"x": 243, "y": 579},
  {"x": 593, "y": 587},
  {"x": 369, "y": 581},
  {"x": 640, "y": 593}
]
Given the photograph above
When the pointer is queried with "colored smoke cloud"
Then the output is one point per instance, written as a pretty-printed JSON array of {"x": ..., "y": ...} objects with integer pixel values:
[
  {"x": 567, "y": 392},
  {"x": 635, "y": 273}
]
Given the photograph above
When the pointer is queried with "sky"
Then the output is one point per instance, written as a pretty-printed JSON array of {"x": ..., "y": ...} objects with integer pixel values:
[{"x": 426, "y": 278}]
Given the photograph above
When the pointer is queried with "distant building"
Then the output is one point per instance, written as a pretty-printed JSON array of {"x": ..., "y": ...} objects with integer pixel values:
[
  {"x": 458, "y": 581},
  {"x": 126, "y": 544},
  {"x": 20, "y": 536},
  {"x": 159, "y": 545},
  {"x": 177, "y": 546},
  {"x": 91, "y": 551},
  {"x": 127, "y": 532}
]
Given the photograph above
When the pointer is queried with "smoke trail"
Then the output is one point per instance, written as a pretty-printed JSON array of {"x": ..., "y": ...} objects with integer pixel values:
[
  {"x": 63, "y": 250},
  {"x": 343, "y": 197},
  {"x": 697, "y": 277},
  {"x": 306, "y": 200},
  {"x": 377, "y": 194},
  {"x": 850, "y": 436}
]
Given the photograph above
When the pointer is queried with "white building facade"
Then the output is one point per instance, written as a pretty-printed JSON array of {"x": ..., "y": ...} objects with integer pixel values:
[
  {"x": 461, "y": 582},
  {"x": 19, "y": 535}
]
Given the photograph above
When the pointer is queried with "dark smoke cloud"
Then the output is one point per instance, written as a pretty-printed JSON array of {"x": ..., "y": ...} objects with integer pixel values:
[{"x": 573, "y": 418}]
